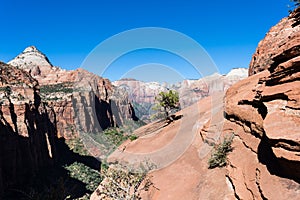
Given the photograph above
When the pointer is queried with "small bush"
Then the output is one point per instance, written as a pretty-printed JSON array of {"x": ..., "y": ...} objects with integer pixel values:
[
  {"x": 133, "y": 137},
  {"x": 76, "y": 145},
  {"x": 122, "y": 183},
  {"x": 219, "y": 154},
  {"x": 115, "y": 136}
]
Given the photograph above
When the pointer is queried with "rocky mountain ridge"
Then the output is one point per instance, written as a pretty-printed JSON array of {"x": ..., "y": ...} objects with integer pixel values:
[
  {"x": 41, "y": 106},
  {"x": 143, "y": 94},
  {"x": 62, "y": 88}
]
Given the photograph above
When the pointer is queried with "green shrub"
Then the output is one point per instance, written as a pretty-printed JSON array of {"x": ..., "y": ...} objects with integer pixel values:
[
  {"x": 122, "y": 183},
  {"x": 60, "y": 87},
  {"x": 219, "y": 154},
  {"x": 169, "y": 101},
  {"x": 115, "y": 136},
  {"x": 80, "y": 171},
  {"x": 85, "y": 174},
  {"x": 76, "y": 145},
  {"x": 133, "y": 137}
]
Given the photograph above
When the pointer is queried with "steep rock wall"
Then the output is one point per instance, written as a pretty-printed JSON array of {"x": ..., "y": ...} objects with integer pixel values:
[
  {"x": 280, "y": 45},
  {"x": 27, "y": 128},
  {"x": 75, "y": 94},
  {"x": 263, "y": 112}
]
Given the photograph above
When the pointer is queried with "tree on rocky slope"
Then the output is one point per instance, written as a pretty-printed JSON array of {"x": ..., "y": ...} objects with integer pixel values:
[{"x": 168, "y": 101}]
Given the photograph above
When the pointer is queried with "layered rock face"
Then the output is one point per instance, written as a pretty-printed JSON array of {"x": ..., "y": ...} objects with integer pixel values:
[
  {"x": 27, "y": 128},
  {"x": 190, "y": 91},
  {"x": 80, "y": 99},
  {"x": 40, "y": 104},
  {"x": 179, "y": 154},
  {"x": 40, "y": 68},
  {"x": 281, "y": 44},
  {"x": 145, "y": 92},
  {"x": 264, "y": 112}
]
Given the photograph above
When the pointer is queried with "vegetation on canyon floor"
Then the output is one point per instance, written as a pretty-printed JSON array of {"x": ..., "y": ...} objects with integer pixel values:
[{"x": 113, "y": 137}]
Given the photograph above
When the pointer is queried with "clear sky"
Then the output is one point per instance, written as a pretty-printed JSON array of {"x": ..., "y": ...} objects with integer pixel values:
[{"x": 67, "y": 31}]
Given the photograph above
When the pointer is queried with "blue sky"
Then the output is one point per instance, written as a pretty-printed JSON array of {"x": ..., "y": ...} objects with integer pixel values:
[{"x": 67, "y": 31}]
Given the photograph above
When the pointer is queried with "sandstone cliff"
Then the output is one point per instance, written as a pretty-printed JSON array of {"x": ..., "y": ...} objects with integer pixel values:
[
  {"x": 27, "y": 128},
  {"x": 263, "y": 112},
  {"x": 80, "y": 99},
  {"x": 280, "y": 46},
  {"x": 40, "y": 106}
]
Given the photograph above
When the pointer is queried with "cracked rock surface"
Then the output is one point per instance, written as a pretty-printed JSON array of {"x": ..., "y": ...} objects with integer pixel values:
[{"x": 264, "y": 112}]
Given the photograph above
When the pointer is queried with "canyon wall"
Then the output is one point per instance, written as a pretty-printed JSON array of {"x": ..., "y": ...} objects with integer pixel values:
[
  {"x": 27, "y": 128},
  {"x": 40, "y": 104},
  {"x": 76, "y": 95},
  {"x": 264, "y": 113}
]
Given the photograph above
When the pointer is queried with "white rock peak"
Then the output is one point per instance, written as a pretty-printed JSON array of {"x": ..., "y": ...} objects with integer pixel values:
[
  {"x": 31, "y": 49},
  {"x": 242, "y": 72},
  {"x": 29, "y": 58}
]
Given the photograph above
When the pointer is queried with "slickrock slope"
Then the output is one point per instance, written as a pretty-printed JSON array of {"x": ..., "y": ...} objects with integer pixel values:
[
  {"x": 264, "y": 112},
  {"x": 27, "y": 128},
  {"x": 75, "y": 94},
  {"x": 180, "y": 154}
]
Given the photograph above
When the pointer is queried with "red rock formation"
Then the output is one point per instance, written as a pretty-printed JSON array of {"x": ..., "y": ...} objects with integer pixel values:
[
  {"x": 281, "y": 44},
  {"x": 27, "y": 128},
  {"x": 62, "y": 88},
  {"x": 190, "y": 91},
  {"x": 175, "y": 149},
  {"x": 263, "y": 112}
]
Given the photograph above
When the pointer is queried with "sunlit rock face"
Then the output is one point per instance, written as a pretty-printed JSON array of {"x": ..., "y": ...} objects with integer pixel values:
[
  {"x": 279, "y": 48},
  {"x": 263, "y": 111},
  {"x": 71, "y": 92}
]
